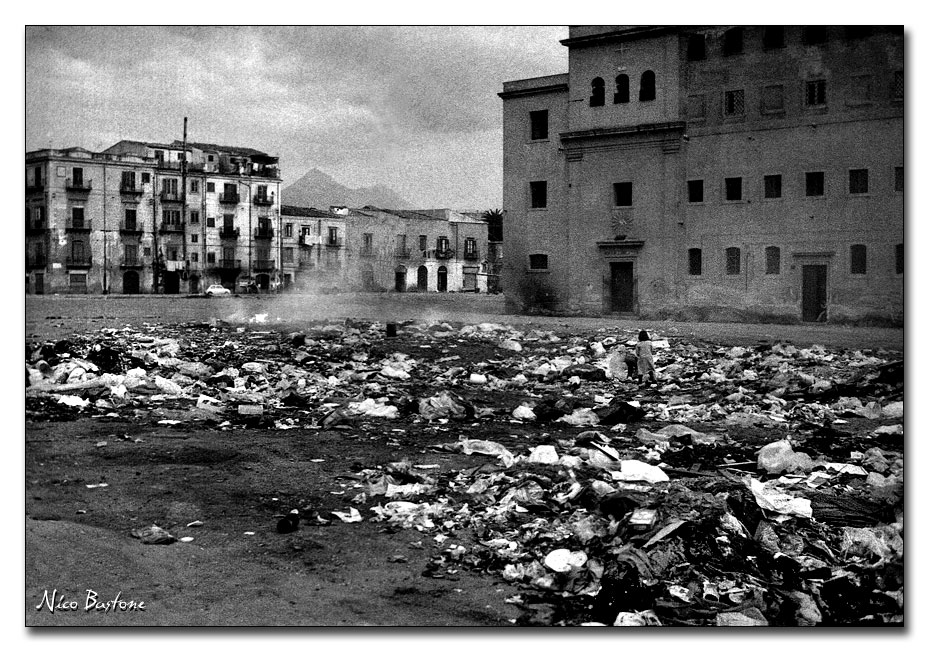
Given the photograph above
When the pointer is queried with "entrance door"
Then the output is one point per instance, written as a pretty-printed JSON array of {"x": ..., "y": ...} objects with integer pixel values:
[
  {"x": 442, "y": 280},
  {"x": 400, "y": 279},
  {"x": 814, "y": 293},
  {"x": 172, "y": 283},
  {"x": 422, "y": 278},
  {"x": 621, "y": 287},
  {"x": 131, "y": 282},
  {"x": 39, "y": 283}
]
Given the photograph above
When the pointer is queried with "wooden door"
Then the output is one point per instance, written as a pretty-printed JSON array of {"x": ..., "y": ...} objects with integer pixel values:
[
  {"x": 814, "y": 292},
  {"x": 622, "y": 285}
]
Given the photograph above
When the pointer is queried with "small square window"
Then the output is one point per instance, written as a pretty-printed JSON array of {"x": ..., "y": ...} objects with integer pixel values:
[
  {"x": 858, "y": 182},
  {"x": 695, "y": 262},
  {"x": 622, "y": 194},
  {"x": 696, "y": 107},
  {"x": 538, "y": 121},
  {"x": 815, "y": 184},
  {"x": 194, "y": 217},
  {"x": 538, "y": 191},
  {"x": 210, "y": 186},
  {"x": 211, "y": 221},
  {"x": 859, "y": 259},
  {"x": 816, "y": 93},
  {"x": 695, "y": 191},
  {"x": 194, "y": 237},
  {"x": 898, "y": 178},
  {"x": 538, "y": 261},
  {"x": 734, "y": 103},
  {"x": 146, "y": 177},
  {"x": 772, "y": 99},
  {"x": 146, "y": 251},
  {"x": 734, "y": 189},
  {"x": 772, "y": 186},
  {"x": 733, "y": 261}
]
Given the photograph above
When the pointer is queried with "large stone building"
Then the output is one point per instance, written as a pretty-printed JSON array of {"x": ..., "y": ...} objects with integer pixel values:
[
  {"x": 710, "y": 172},
  {"x": 135, "y": 219}
]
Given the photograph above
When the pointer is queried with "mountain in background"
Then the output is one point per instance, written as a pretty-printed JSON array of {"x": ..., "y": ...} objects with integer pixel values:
[{"x": 316, "y": 189}]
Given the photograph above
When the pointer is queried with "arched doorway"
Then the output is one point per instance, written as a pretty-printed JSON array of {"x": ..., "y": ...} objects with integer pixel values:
[
  {"x": 422, "y": 279},
  {"x": 172, "y": 282},
  {"x": 442, "y": 281},
  {"x": 130, "y": 282},
  {"x": 400, "y": 279},
  {"x": 194, "y": 287}
]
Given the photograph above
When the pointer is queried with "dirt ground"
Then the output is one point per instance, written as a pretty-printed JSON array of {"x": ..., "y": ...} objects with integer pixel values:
[{"x": 238, "y": 570}]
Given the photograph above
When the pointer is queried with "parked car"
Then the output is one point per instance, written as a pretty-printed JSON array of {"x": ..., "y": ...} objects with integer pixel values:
[{"x": 217, "y": 290}]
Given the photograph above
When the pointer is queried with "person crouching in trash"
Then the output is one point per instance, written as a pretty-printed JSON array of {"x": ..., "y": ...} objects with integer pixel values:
[{"x": 646, "y": 361}]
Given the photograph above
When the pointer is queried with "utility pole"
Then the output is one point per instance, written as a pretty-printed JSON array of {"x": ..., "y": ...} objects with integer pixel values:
[{"x": 184, "y": 199}]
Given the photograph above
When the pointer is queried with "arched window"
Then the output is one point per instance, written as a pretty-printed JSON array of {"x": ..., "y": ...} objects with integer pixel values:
[
  {"x": 647, "y": 87},
  {"x": 621, "y": 96},
  {"x": 596, "y": 92}
]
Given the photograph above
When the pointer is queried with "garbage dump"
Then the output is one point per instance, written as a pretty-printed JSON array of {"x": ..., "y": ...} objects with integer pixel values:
[{"x": 749, "y": 486}]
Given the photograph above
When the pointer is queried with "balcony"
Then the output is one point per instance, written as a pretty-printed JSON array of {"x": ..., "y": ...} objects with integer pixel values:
[
  {"x": 263, "y": 265},
  {"x": 36, "y": 227},
  {"x": 171, "y": 228},
  {"x": 77, "y": 225},
  {"x": 130, "y": 228},
  {"x": 263, "y": 200},
  {"x": 228, "y": 263},
  {"x": 78, "y": 261},
  {"x": 35, "y": 188},
  {"x": 228, "y": 232},
  {"x": 402, "y": 252},
  {"x": 471, "y": 255},
  {"x": 36, "y": 260},
  {"x": 444, "y": 254},
  {"x": 229, "y": 198},
  {"x": 78, "y": 187},
  {"x": 162, "y": 164},
  {"x": 133, "y": 262},
  {"x": 334, "y": 242},
  {"x": 265, "y": 232},
  {"x": 168, "y": 196},
  {"x": 131, "y": 191}
]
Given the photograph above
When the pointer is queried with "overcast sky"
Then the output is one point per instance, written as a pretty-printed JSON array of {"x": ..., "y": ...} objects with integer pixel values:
[{"x": 412, "y": 108}]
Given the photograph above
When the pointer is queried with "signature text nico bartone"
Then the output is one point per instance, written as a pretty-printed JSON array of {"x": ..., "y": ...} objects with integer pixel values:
[{"x": 55, "y": 602}]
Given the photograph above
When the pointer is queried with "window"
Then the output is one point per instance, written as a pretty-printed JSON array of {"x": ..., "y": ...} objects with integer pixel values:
[
  {"x": 130, "y": 219},
  {"x": 169, "y": 186},
  {"x": 77, "y": 177},
  {"x": 896, "y": 85},
  {"x": 859, "y": 89},
  {"x": 441, "y": 243},
  {"x": 596, "y": 92},
  {"x": 128, "y": 180},
  {"x": 696, "y": 107},
  {"x": 647, "y": 87},
  {"x": 772, "y": 38},
  {"x": 733, "y": 188},
  {"x": 470, "y": 248},
  {"x": 772, "y": 186},
  {"x": 621, "y": 96},
  {"x": 194, "y": 237},
  {"x": 211, "y": 221},
  {"x": 772, "y": 99},
  {"x": 538, "y": 191},
  {"x": 195, "y": 257},
  {"x": 695, "y": 191},
  {"x": 696, "y": 47},
  {"x": 734, "y": 103},
  {"x": 815, "y": 184},
  {"x": 367, "y": 243},
  {"x": 194, "y": 185},
  {"x": 732, "y": 41},
  {"x": 209, "y": 158},
  {"x": 733, "y": 261},
  {"x": 815, "y": 35},
  {"x": 859, "y": 254},
  {"x": 538, "y": 125},
  {"x": 622, "y": 194},
  {"x": 538, "y": 261},
  {"x": 898, "y": 253},
  {"x": 78, "y": 282},
  {"x": 210, "y": 186},
  {"x": 772, "y": 258},
  {"x": 77, "y": 250},
  {"x": 146, "y": 251},
  {"x": 816, "y": 92},
  {"x": 131, "y": 253},
  {"x": 288, "y": 254},
  {"x": 288, "y": 230},
  {"x": 211, "y": 257},
  {"x": 77, "y": 217},
  {"x": 695, "y": 262},
  {"x": 172, "y": 253},
  {"x": 898, "y": 178},
  {"x": 333, "y": 235},
  {"x": 195, "y": 217},
  {"x": 171, "y": 216},
  {"x": 422, "y": 243},
  {"x": 858, "y": 182},
  {"x": 146, "y": 177}
]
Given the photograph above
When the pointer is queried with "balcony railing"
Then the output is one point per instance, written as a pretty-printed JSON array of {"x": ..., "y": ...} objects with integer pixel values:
[
  {"x": 167, "y": 165},
  {"x": 171, "y": 228},
  {"x": 263, "y": 265},
  {"x": 36, "y": 227},
  {"x": 130, "y": 262},
  {"x": 77, "y": 225},
  {"x": 402, "y": 252},
  {"x": 334, "y": 242},
  {"x": 471, "y": 255},
  {"x": 228, "y": 263},
  {"x": 170, "y": 196},
  {"x": 35, "y": 188},
  {"x": 263, "y": 200},
  {"x": 36, "y": 260},
  {"x": 126, "y": 189},
  {"x": 444, "y": 254},
  {"x": 228, "y": 232},
  {"x": 264, "y": 232},
  {"x": 78, "y": 261},
  {"x": 79, "y": 186},
  {"x": 229, "y": 198},
  {"x": 130, "y": 228}
]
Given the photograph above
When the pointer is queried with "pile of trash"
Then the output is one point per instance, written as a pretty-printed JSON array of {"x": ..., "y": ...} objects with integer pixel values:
[{"x": 747, "y": 486}]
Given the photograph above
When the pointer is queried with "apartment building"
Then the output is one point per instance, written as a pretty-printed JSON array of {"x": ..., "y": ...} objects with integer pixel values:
[
  {"x": 145, "y": 217},
  {"x": 710, "y": 172},
  {"x": 316, "y": 243}
]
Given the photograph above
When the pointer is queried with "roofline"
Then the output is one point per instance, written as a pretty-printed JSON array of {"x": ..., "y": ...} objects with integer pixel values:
[
  {"x": 627, "y": 34},
  {"x": 538, "y": 90}
]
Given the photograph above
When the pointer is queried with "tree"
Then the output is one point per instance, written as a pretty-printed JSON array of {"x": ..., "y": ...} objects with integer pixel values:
[{"x": 494, "y": 219}]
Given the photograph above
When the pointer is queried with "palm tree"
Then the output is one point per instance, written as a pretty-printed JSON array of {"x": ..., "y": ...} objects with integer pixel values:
[{"x": 494, "y": 219}]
